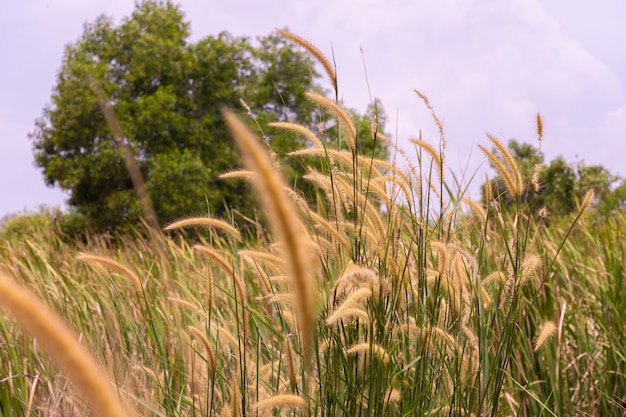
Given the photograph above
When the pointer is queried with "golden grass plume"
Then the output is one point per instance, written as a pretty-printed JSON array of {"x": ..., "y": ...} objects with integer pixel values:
[
  {"x": 343, "y": 117},
  {"x": 506, "y": 166},
  {"x": 284, "y": 400},
  {"x": 284, "y": 223},
  {"x": 376, "y": 350},
  {"x": 304, "y": 131},
  {"x": 312, "y": 49},
  {"x": 62, "y": 346},
  {"x": 199, "y": 334},
  {"x": 348, "y": 305},
  {"x": 545, "y": 332},
  {"x": 95, "y": 259},
  {"x": 205, "y": 222}
]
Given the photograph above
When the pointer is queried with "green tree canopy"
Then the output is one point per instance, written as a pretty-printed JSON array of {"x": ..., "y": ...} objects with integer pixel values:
[
  {"x": 562, "y": 185},
  {"x": 167, "y": 93}
]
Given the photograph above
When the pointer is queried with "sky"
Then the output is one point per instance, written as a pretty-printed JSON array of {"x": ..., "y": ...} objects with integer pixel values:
[{"x": 487, "y": 66}]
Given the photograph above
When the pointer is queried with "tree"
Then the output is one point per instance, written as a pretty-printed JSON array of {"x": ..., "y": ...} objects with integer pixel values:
[
  {"x": 562, "y": 186},
  {"x": 167, "y": 93}
]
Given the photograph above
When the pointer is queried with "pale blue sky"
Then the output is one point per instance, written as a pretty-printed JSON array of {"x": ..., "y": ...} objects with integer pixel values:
[{"x": 487, "y": 66}]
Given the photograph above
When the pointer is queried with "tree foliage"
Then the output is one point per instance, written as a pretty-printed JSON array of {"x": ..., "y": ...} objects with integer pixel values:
[
  {"x": 167, "y": 93},
  {"x": 561, "y": 185}
]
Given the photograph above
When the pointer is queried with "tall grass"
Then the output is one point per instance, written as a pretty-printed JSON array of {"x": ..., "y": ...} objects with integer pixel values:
[{"x": 391, "y": 294}]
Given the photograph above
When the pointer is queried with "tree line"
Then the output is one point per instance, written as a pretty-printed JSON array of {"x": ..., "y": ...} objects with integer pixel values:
[
  {"x": 555, "y": 189},
  {"x": 167, "y": 93}
]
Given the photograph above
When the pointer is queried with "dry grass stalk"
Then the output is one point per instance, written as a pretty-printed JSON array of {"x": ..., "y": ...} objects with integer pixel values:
[
  {"x": 537, "y": 170},
  {"x": 113, "y": 264},
  {"x": 587, "y": 200},
  {"x": 393, "y": 395},
  {"x": 127, "y": 154},
  {"x": 355, "y": 276},
  {"x": 274, "y": 262},
  {"x": 404, "y": 186},
  {"x": 545, "y": 332},
  {"x": 284, "y": 223},
  {"x": 362, "y": 202},
  {"x": 332, "y": 229},
  {"x": 497, "y": 276},
  {"x": 392, "y": 168},
  {"x": 284, "y": 400},
  {"x": 329, "y": 153},
  {"x": 376, "y": 350},
  {"x": 529, "y": 267},
  {"x": 186, "y": 304},
  {"x": 430, "y": 150},
  {"x": 291, "y": 363},
  {"x": 509, "y": 160},
  {"x": 312, "y": 137},
  {"x": 349, "y": 303},
  {"x": 240, "y": 174},
  {"x": 488, "y": 190},
  {"x": 339, "y": 112},
  {"x": 346, "y": 159},
  {"x": 205, "y": 222},
  {"x": 227, "y": 337},
  {"x": 230, "y": 270},
  {"x": 235, "y": 397},
  {"x": 207, "y": 346},
  {"x": 321, "y": 58},
  {"x": 512, "y": 167},
  {"x": 509, "y": 179},
  {"x": 442, "y": 137},
  {"x": 477, "y": 209},
  {"x": 63, "y": 346}
]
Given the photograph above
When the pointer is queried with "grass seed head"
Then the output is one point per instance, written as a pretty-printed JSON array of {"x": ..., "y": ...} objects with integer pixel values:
[
  {"x": 205, "y": 222},
  {"x": 545, "y": 332},
  {"x": 63, "y": 346},
  {"x": 94, "y": 259},
  {"x": 284, "y": 400},
  {"x": 376, "y": 349},
  {"x": 343, "y": 117},
  {"x": 284, "y": 222},
  {"x": 312, "y": 49}
]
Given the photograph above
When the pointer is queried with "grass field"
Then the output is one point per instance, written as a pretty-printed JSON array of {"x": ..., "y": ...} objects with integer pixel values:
[{"x": 391, "y": 295}]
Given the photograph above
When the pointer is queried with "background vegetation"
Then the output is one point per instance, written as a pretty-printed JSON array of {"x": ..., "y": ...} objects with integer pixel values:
[{"x": 167, "y": 93}]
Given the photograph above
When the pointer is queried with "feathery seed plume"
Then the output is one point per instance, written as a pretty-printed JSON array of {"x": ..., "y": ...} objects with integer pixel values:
[
  {"x": 204, "y": 222},
  {"x": 321, "y": 58},
  {"x": 284, "y": 223},
  {"x": 284, "y": 400},
  {"x": 63, "y": 346},
  {"x": 545, "y": 332}
]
